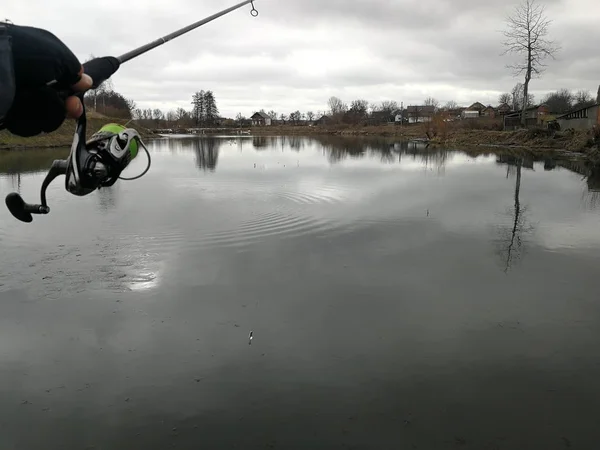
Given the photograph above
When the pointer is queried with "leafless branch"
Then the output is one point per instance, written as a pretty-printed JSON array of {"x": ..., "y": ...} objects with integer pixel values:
[{"x": 526, "y": 36}]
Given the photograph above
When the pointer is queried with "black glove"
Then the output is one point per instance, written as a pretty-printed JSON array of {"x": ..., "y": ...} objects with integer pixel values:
[{"x": 39, "y": 57}]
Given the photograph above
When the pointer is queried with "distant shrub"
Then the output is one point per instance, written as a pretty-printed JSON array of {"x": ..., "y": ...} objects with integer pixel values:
[{"x": 482, "y": 123}]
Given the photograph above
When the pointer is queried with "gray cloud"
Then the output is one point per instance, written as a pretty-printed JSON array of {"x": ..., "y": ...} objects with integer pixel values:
[{"x": 298, "y": 53}]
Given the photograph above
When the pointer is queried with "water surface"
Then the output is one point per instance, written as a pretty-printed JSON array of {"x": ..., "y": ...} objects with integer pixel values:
[{"x": 399, "y": 297}]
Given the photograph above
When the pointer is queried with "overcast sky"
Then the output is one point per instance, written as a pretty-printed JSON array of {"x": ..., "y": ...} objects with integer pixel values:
[{"x": 297, "y": 53}]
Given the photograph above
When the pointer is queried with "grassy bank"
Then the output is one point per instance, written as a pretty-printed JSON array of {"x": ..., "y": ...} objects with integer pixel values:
[
  {"x": 63, "y": 136},
  {"x": 474, "y": 135},
  {"x": 340, "y": 130},
  {"x": 580, "y": 142}
]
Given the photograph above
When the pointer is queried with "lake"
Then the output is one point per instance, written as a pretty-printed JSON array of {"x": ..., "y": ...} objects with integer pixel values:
[{"x": 398, "y": 297}]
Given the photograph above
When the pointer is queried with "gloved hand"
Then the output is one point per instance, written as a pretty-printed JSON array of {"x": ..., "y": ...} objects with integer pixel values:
[{"x": 40, "y": 58}]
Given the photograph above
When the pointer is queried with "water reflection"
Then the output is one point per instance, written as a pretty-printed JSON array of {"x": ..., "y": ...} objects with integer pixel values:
[
  {"x": 512, "y": 235},
  {"x": 16, "y": 162},
  {"x": 335, "y": 148},
  {"x": 108, "y": 197},
  {"x": 207, "y": 152}
]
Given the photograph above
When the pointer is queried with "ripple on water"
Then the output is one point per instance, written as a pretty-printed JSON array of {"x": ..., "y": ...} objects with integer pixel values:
[
  {"x": 269, "y": 224},
  {"x": 300, "y": 192}
]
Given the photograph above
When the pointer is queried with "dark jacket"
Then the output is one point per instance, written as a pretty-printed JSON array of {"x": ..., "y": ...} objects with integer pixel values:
[{"x": 7, "y": 73}]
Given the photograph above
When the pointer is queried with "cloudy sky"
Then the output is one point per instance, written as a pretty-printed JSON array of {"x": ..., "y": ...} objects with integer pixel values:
[{"x": 298, "y": 53}]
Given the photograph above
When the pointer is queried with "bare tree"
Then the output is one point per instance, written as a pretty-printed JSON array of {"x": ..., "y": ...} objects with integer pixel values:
[
  {"x": 526, "y": 37},
  {"x": 450, "y": 105},
  {"x": 560, "y": 101},
  {"x": 505, "y": 98},
  {"x": 583, "y": 98},
  {"x": 336, "y": 106},
  {"x": 513, "y": 234},
  {"x": 598, "y": 95},
  {"x": 171, "y": 117},
  {"x": 157, "y": 116},
  {"x": 518, "y": 97},
  {"x": 388, "y": 106},
  {"x": 310, "y": 116},
  {"x": 240, "y": 119},
  {"x": 430, "y": 101}
]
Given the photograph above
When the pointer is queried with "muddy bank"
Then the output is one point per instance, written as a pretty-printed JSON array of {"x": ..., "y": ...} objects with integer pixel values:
[{"x": 577, "y": 143}]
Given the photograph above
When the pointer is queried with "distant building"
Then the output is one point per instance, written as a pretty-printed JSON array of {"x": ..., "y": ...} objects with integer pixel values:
[
  {"x": 503, "y": 109},
  {"x": 454, "y": 113},
  {"x": 381, "y": 117},
  {"x": 419, "y": 114},
  {"x": 489, "y": 111},
  {"x": 477, "y": 106},
  {"x": 470, "y": 114},
  {"x": 580, "y": 119},
  {"x": 535, "y": 116},
  {"x": 475, "y": 110},
  {"x": 261, "y": 119},
  {"x": 323, "y": 120}
]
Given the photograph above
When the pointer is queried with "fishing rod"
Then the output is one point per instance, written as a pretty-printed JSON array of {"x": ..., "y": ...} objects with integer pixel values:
[{"x": 99, "y": 161}]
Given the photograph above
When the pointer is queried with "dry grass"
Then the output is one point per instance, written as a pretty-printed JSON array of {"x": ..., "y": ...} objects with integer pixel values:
[
  {"x": 342, "y": 130},
  {"x": 64, "y": 135}
]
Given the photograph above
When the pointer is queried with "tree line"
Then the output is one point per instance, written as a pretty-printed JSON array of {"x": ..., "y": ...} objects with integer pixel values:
[
  {"x": 105, "y": 100},
  {"x": 203, "y": 113}
]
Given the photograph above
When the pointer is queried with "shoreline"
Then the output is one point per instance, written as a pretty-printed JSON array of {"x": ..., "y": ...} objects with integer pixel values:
[{"x": 578, "y": 144}]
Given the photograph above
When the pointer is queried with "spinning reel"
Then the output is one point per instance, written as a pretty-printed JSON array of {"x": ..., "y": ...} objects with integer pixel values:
[{"x": 99, "y": 161}]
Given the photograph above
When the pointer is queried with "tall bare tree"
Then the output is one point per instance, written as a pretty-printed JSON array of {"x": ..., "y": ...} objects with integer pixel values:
[
  {"x": 526, "y": 36},
  {"x": 336, "y": 106},
  {"x": 451, "y": 104},
  {"x": 583, "y": 98},
  {"x": 518, "y": 97},
  {"x": 430, "y": 101},
  {"x": 505, "y": 98}
]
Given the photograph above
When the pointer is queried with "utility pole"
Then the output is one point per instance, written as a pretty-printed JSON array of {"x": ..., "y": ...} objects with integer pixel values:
[{"x": 401, "y": 114}]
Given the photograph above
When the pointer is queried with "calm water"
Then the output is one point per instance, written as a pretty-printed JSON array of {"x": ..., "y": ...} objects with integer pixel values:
[{"x": 399, "y": 298}]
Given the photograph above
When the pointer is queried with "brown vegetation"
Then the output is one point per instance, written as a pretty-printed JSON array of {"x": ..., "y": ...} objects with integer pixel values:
[{"x": 63, "y": 136}]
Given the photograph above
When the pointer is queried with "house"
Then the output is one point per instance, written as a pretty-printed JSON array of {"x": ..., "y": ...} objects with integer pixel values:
[
  {"x": 420, "y": 114},
  {"x": 381, "y": 117},
  {"x": 489, "y": 111},
  {"x": 261, "y": 119},
  {"x": 470, "y": 114},
  {"x": 580, "y": 119},
  {"x": 473, "y": 111},
  {"x": 323, "y": 120},
  {"x": 398, "y": 115},
  {"x": 503, "y": 109},
  {"x": 453, "y": 114},
  {"x": 535, "y": 116}
]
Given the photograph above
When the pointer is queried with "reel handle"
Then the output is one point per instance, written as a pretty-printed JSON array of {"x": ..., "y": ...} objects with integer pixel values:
[{"x": 22, "y": 210}]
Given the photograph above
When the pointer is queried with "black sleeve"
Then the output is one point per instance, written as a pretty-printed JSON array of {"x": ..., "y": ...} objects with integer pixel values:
[
  {"x": 39, "y": 58},
  {"x": 7, "y": 75}
]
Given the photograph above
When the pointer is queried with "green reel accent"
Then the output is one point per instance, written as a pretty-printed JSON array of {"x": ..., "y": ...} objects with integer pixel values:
[{"x": 117, "y": 128}]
